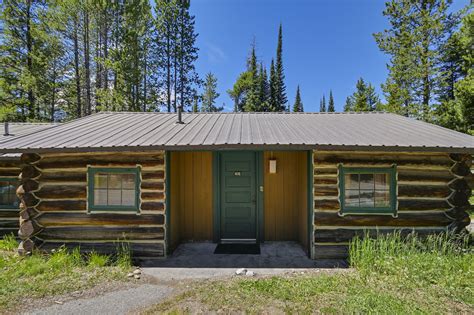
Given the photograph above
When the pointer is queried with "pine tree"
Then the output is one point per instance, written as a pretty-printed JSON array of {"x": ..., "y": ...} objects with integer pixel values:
[
  {"x": 165, "y": 23},
  {"x": 239, "y": 91},
  {"x": 210, "y": 95},
  {"x": 298, "y": 106},
  {"x": 264, "y": 92},
  {"x": 360, "y": 97},
  {"x": 322, "y": 105},
  {"x": 349, "y": 105},
  {"x": 331, "y": 106},
  {"x": 456, "y": 106},
  {"x": 253, "y": 98},
  {"x": 21, "y": 56},
  {"x": 187, "y": 77},
  {"x": 273, "y": 107},
  {"x": 280, "y": 88},
  {"x": 195, "y": 108},
  {"x": 413, "y": 40},
  {"x": 176, "y": 52},
  {"x": 364, "y": 98},
  {"x": 373, "y": 100}
]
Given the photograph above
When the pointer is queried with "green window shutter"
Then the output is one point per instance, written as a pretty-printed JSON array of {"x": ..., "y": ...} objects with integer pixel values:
[
  {"x": 358, "y": 191},
  {"x": 108, "y": 184}
]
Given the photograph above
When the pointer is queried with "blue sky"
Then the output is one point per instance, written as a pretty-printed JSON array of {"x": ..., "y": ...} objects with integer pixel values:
[{"x": 326, "y": 44}]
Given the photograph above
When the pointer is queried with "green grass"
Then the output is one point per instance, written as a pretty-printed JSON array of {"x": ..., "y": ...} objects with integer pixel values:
[
  {"x": 471, "y": 210},
  {"x": 391, "y": 274},
  {"x": 61, "y": 272}
]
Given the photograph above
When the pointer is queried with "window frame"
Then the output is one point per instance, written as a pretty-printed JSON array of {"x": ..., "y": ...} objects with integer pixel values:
[
  {"x": 91, "y": 171},
  {"x": 10, "y": 179},
  {"x": 392, "y": 171}
]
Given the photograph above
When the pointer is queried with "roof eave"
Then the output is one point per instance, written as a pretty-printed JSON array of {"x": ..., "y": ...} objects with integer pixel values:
[{"x": 274, "y": 147}]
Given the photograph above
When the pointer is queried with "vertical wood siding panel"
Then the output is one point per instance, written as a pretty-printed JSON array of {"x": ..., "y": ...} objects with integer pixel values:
[
  {"x": 285, "y": 197},
  {"x": 193, "y": 171}
]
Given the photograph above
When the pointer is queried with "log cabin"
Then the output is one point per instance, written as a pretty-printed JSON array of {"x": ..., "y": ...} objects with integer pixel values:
[
  {"x": 155, "y": 180},
  {"x": 10, "y": 168}
]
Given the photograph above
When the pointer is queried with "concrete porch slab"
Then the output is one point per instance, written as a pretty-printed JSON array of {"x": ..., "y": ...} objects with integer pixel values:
[{"x": 197, "y": 260}]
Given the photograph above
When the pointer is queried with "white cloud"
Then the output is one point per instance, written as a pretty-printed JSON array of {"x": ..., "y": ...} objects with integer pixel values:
[{"x": 215, "y": 54}]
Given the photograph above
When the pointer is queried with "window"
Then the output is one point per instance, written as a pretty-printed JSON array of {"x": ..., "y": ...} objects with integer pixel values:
[
  {"x": 8, "y": 198},
  {"x": 113, "y": 188},
  {"x": 367, "y": 190}
]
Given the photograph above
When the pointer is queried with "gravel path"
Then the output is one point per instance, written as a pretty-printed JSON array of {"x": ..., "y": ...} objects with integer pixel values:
[{"x": 117, "y": 302}]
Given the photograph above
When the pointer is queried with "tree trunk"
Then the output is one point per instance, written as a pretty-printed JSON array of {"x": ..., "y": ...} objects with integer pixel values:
[
  {"x": 29, "y": 60},
  {"x": 426, "y": 68},
  {"x": 168, "y": 68},
  {"x": 87, "y": 63},
  {"x": 53, "y": 96},
  {"x": 145, "y": 56},
  {"x": 98, "y": 62},
  {"x": 105, "y": 54},
  {"x": 76, "y": 68}
]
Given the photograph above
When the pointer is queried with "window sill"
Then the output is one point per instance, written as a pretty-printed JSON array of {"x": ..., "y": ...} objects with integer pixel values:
[
  {"x": 362, "y": 212},
  {"x": 121, "y": 211}
]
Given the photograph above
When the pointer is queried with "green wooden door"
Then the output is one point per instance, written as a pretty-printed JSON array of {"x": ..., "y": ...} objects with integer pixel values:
[{"x": 238, "y": 196}]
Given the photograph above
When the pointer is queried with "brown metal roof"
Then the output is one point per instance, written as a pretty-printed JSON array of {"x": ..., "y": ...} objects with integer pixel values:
[{"x": 351, "y": 131}]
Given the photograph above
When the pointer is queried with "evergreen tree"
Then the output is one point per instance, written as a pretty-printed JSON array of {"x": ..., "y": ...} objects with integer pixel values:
[
  {"x": 210, "y": 94},
  {"x": 364, "y": 98},
  {"x": 456, "y": 96},
  {"x": 176, "y": 52},
  {"x": 253, "y": 99},
  {"x": 22, "y": 47},
  {"x": 273, "y": 79},
  {"x": 239, "y": 91},
  {"x": 195, "y": 105},
  {"x": 280, "y": 88},
  {"x": 187, "y": 78},
  {"x": 322, "y": 105},
  {"x": 298, "y": 106},
  {"x": 360, "y": 97},
  {"x": 331, "y": 106},
  {"x": 349, "y": 105},
  {"x": 165, "y": 23},
  {"x": 264, "y": 89},
  {"x": 413, "y": 40}
]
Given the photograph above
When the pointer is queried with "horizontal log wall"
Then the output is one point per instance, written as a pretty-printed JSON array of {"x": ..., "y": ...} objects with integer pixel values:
[
  {"x": 9, "y": 168},
  {"x": 432, "y": 196},
  {"x": 54, "y": 209}
]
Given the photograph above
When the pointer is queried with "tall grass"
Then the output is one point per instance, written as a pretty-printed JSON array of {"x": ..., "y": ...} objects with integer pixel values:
[
  {"x": 367, "y": 252},
  {"x": 443, "y": 262},
  {"x": 57, "y": 272},
  {"x": 63, "y": 256},
  {"x": 124, "y": 256},
  {"x": 8, "y": 243}
]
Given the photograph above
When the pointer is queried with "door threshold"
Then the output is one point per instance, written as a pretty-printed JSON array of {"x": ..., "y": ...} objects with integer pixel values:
[{"x": 238, "y": 241}]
